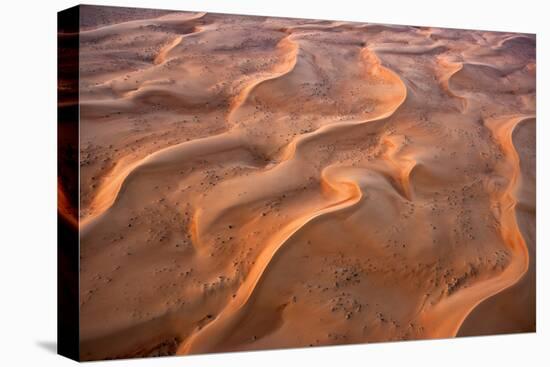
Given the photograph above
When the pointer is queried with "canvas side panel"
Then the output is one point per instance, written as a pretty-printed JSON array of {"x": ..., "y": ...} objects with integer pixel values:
[{"x": 67, "y": 183}]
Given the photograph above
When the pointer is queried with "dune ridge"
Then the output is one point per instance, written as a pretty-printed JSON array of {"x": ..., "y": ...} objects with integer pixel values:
[
  {"x": 229, "y": 317},
  {"x": 510, "y": 231}
]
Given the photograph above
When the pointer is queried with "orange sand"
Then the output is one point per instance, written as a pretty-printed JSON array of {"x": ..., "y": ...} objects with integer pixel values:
[{"x": 252, "y": 183}]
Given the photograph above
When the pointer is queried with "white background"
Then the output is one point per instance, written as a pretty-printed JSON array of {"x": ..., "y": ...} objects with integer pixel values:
[{"x": 28, "y": 182}]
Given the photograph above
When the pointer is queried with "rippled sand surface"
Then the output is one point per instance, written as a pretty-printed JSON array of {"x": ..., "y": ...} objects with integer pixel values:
[{"x": 252, "y": 183}]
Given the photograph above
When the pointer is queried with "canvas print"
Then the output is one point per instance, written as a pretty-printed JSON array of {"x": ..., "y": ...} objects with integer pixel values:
[{"x": 236, "y": 183}]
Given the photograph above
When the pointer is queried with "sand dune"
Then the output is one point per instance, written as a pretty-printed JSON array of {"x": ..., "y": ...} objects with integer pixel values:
[{"x": 254, "y": 182}]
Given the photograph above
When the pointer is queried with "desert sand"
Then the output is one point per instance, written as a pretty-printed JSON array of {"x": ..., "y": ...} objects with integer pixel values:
[{"x": 252, "y": 183}]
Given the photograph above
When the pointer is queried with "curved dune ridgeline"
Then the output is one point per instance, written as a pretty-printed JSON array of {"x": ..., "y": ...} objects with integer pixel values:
[{"x": 255, "y": 182}]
